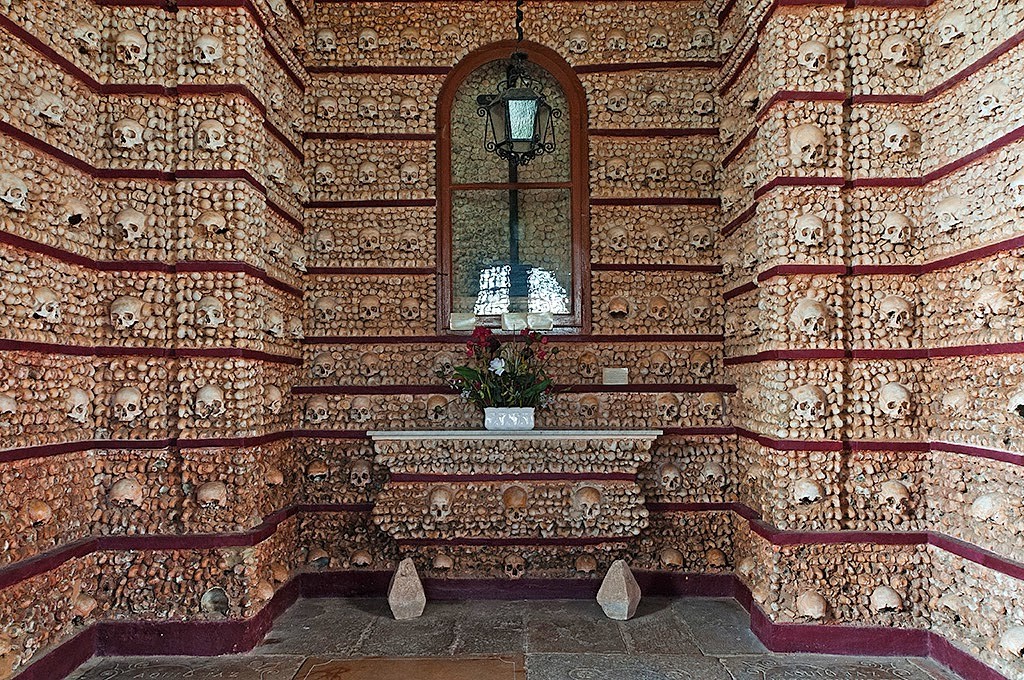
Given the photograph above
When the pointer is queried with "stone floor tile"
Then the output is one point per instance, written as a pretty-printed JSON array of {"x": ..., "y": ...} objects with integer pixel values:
[
  {"x": 331, "y": 626},
  {"x": 493, "y": 668},
  {"x": 720, "y": 627},
  {"x": 622, "y": 667},
  {"x": 657, "y": 630},
  {"x": 491, "y": 627},
  {"x": 572, "y": 626},
  {"x": 822, "y": 667},
  {"x": 432, "y": 634},
  {"x": 241, "y": 667}
]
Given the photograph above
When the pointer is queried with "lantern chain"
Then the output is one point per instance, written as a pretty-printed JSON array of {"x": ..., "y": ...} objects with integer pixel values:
[{"x": 519, "y": 20}]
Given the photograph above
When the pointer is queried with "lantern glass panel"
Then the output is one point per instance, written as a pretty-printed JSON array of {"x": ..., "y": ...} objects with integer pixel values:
[{"x": 521, "y": 116}]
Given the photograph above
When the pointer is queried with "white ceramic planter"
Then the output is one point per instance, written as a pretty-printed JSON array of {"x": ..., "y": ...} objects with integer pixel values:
[{"x": 502, "y": 418}]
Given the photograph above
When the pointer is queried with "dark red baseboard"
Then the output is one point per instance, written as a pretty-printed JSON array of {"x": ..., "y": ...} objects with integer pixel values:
[{"x": 212, "y": 638}]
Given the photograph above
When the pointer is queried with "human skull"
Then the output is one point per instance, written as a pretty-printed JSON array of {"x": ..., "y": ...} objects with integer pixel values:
[
  {"x": 885, "y": 599},
  {"x": 657, "y": 172},
  {"x": 207, "y": 50},
  {"x": 359, "y": 473},
  {"x": 325, "y": 41},
  {"x": 811, "y": 605},
  {"x": 701, "y": 364},
  {"x": 409, "y": 173},
  {"x": 13, "y": 192},
  {"x": 323, "y": 241},
  {"x": 713, "y": 473},
  {"x": 437, "y": 408},
  {"x": 658, "y": 237},
  {"x": 325, "y": 309},
  {"x": 950, "y": 212},
  {"x": 209, "y": 312},
  {"x": 316, "y": 410},
  {"x": 449, "y": 35},
  {"x": 702, "y": 39},
  {"x": 409, "y": 309},
  {"x": 750, "y": 98},
  {"x": 125, "y": 492},
  {"x": 588, "y": 365},
  {"x": 671, "y": 477},
  {"x": 988, "y": 302},
  {"x": 125, "y": 312},
  {"x": 586, "y": 501},
  {"x": 273, "y": 399},
  {"x": 616, "y": 40},
  {"x": 408, "y": 109},
  {"x": 368, "y": 239},
  {"x": 50, "y": 107},
  {"x": 327, "y": 108},
  {"x": 323, "y": 365},
  {"x": 618, "y": 308},
  {"x": 298, "y": 258},
  {"x": 993, "y": 99},
  {"x": 127, "y": 404},
  {"x": 87, "y": 37},
  {"x": 440, "y": 503},
  {"x": 657, "y": 38},
  {"x": 367, "y": 173},
  {"x": 656, "y": 102},
  {"x": 661, "y": 364},
  {"x": 590, "y": 408},
  {"x": 295, "y": 328},
  {"x": 896, "y": 228},
  {"x": 369, "y": 307},
  {"x": 807, "y": 146},
  {"x": 276, "y": 96},
  {"x": 897, "y": 50},
  {"x": 701, "y": 238},
  {"x": 671, "y": 558},
  {"x": 275, "y": 171},
  {"x": 368, "y": 107},
  {"x": 711, "y": 405},
  {"x": 515, "y": 501},
  {"x": 369, "y": 365},
  {"x": 127, "y": 134},
  {"x": 211, "y": 135},
  {"x": 618, "y": 100},
  {"x": 1012, "y": 641},
  {"x": 813, "y": 55},
  {"x": 324, "y": 174},
  {"x": 659, "y": 308},
  {"x": 38, "y": 512},
  {"x": 586, "y": 564},
  {"x": 728, "y": 126},
  {"x": 46, "y": 305},
  {"x": 703, "y": 104},
  {"x": 1015, "y": 189},
  {"x": 809, "y": 230},
  {"x": 360, "y": 409},
  {"x": 130, "y": 48},
  {"x": 952, "y": 27},
  {"x": 810, "y": 318},
  {"x": 701, "y": 309},
  {"x": 408, "y": 39},
  {"x": 897, "y": 137},
  {"x": 211, "y": 495},
  {"x": 130, "y": 224},
  {"x": 993, "y": 508},
  {"x": 8, "y": 407},
  {"x": 667, "y": 408},
  {"x": 579, "y": 41},
  {"x": 806, "y": 491},
  {"x": 212, "y": 222},
  {"x": 809, "y": 403},
  {"x": 897, "y": 312},
  {"x": 727, "y": 43},
  {"x": 616, "y": 169},
  {"x": 894, "y": 401},
  {"x": 702, "y": 173},
  {"x": 209, "y": 402},
  {"x": 895, "y": 496},
  {"x": 514, "y": 566},
  {"x": 749, "y": 177},
  {"x": 957, "y": 401},
  {"x": 367, "y": 40}
]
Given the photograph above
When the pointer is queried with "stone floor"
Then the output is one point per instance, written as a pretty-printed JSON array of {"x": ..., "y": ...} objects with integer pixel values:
[{"x": 687, "y": 639}]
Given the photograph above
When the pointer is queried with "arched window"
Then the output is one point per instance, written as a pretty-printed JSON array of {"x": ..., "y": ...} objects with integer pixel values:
[{"x": 512, "y": 238}]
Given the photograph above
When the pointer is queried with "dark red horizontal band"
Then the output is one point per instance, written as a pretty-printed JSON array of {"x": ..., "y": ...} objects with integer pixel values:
[
  {"x": 518, "y": 541},
  {"x": 739, "y": 290},
  {"x": 632, "y": 388},
  {"x": 529, "y": 477},
  {"x": 906, "y": 353},
  {"x": 739, "y": 220},
  {"x": 738, "y": 148},
  {"x": 786, "y": 355},
  {"x": 113, "y": 351},
  {"x": 321, "y": 69},
  {"x": 622, "y": 267},
  {"x": 555, "y": 338}
]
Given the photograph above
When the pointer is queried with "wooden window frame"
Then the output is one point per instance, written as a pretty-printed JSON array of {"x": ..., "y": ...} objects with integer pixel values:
[{"x": 575, "y": 122}]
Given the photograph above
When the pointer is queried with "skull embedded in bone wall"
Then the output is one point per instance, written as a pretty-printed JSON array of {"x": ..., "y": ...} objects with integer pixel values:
[
  {"x": 656, "y": 102},
  {"x": 579, "y": 41},
  {"x": 46, "y": 305},
  {"x": 893, "y": 400},
  {"x": 807, "y": 147},
  {"x": 360, "y": 473},
  {"x": 894, "y": 496},
  {"x": 298, "y": 258},
  {"x": 703, "y": 104},
  {"x": 657, "y": 38},
  {"x": 129, "y": 226},
  {"x": 809, "y": 230},
  {"x": 450, "y": 35},
  {"x": 368, "y": 40},
  {"x": 618, "y": 100},
  {"x": 809, "y": 404},
  {"x": 990, "y": 302},
  {"x": 273, "y": 399},
  {"x": 711, "y": 405},
  {"x": 125, "y": 312},
  {"x": 586, "y": 501},
  {"x": 368, "y": 239},
  {"x": 207, "y": 50},
  {"x": 323, "y": 241},
  {"x": 896, "y": 228},
  {"x": 897, "y": 137},
  {"x": 884, "y": 599},
  {"x": 671, "y": 477},
  {"x": 618, "y": 308},
  {"x": 703, "y": 39},
  {"x": 13, "y": 192},
  {"x": 367, "y": 173},
  {"x": 87, "y": 37},
  {"x": 209, "y": 402},
  {"x": 324, "y": 174},
  {"x": 211, "y": 135},
  {"x": 702, "y": 365},
  {"x": 440, "y": 503},
  {"x": 130, "y": 48},
  {"x": 659, "y": 308},
  {"x": 323, "y": 365},
  {"x": 616, "y": 169},
  {"x": 317, "y": 410},
  {"x": 514, "y": 567},
  {"x": 327, "y": 108},
  {"x": 437, "y": 408},
  {"x": 951, "y": 27},
  {"x": 661, "y": 364},
  {"x": 515, "y": 501},
  {"x": 701, "y": 239},
  {"x": 409, "y": 109},
  {"x": 50, "y": 107},
  {"x": 657, "y": 172},
  {"x": 409, "y": 173},
  {"x": 898, "y": 50},
  {"x": 702, "y": 173},
  {"x": 209, "y": 312},
  {"x": 666, "y": 406},
  {"x": 810, "y": 318},
  {"x": 78, "y": 405},
  {"x": 212, "y": 223},
  {"x": 896, "y": 313},
  {"x": 408, "y": 39},
  {"x": 325, "y": 41},
  {"x": 325, "y": 310},
  {"x": 125, "y": 492},
  {"x": 369, "y": 307},
  {"x": 950, "y": 212},
  {"x": 813, "y": 55},
  {"x": 360, "y": 409},
  {"x": 127, "y": 404},
  {"x": 211, "y": 495},
  {"x": 127, "y": 134},
  {"x": 993, "y": 100},
  {"x": 811, "y": 605},
  {"x": 616, "y": 40},
  {"x": 807, "y": 491},
  {"x": 368, "y": 108}
]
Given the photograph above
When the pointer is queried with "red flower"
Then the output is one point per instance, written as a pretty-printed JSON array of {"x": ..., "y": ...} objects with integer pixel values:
[
  {"x": 543, "y": 339},
  {"x": 541, "y": 354}
]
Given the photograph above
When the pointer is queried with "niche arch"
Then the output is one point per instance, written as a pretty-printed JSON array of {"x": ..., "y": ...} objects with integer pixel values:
[{"x": 570, "y": 138}]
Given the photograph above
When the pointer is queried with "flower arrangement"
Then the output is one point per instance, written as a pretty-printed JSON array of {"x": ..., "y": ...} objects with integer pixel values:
[{"x": 504, "y": 374}]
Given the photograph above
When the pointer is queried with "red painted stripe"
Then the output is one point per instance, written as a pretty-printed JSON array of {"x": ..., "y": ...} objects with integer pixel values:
[
  {"x": 633, "y": 388},
  {"x": 738, "y": 148},
  {"x": 739, "y": 290},
  {"x": 114, "y": 351},
  {"x": 532, "y": 477},
  {"x": 740, "y": 219},
  {"x": 504, "y": 542},
  {"x": 398, "y": 339}
]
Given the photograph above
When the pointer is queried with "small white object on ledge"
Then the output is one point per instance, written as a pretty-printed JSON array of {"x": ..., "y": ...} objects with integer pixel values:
[
  {"x": 542, "y": 321},
  {"x": 513, "y": 321},
  {"x": 615, "y": 376},
  {"x": 508, "y": 418},
  {"x": 461, "y": 322}
]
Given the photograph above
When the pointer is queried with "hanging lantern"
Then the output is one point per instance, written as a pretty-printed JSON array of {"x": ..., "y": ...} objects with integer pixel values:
[{"x": 519, "y": 123}]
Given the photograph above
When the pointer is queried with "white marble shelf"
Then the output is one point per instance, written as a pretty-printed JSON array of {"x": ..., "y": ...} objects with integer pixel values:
[{"x": 517, "y": 435}]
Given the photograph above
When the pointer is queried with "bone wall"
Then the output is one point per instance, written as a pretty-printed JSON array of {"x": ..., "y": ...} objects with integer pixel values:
[{"x": 218, "y": 252}]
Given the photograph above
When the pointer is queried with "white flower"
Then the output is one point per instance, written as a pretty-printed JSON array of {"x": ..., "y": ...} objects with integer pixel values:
[{"x": 497, "y": 366}]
